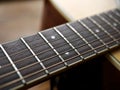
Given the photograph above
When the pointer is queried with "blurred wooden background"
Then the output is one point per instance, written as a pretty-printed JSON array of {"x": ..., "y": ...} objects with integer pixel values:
[{"x": 19, "y": 19}]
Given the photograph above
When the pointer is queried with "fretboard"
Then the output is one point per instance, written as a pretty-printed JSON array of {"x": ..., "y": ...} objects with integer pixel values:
[{"x": 37, "y": 57}]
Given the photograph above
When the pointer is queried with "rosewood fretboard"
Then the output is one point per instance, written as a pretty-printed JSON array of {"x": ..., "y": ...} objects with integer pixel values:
[{"x": 39, "y": 56}]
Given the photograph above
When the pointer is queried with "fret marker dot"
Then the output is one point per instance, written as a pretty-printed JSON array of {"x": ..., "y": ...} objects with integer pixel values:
[
  {"x": 115, "y": 24},
  {"x": 52, "y": 37},
  {"x": 0, "y": 66},
  {"x": 67, "y": 53},
  {"x": 97, "y": 30}
]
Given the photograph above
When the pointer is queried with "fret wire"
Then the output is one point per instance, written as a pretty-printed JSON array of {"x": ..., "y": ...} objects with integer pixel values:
[
  {"x": 52, "y": 48},
  {"x": 18, "y": 52},
  {"x": 73, "y": 29},
  {"x": 92, "y": 33},
  {"x": 116, "y": 13},
  {"x": 67, "y": 41},
  {"x": 47, "y": 50},
  {"x": 56, "y": 55},
  {"x": 61, "y": 53},
  {"x": 46, "y": 59},
  {"x": 34, "y": 55},
  {"x": 60, "y": 62},
  {"x": 26, "y": 49},
  {"x": 14, "y": 66},
  {"x": 112, "y": 18},
  {"x": 103, "y": 30},
  {"x": 108, "y": 23}
]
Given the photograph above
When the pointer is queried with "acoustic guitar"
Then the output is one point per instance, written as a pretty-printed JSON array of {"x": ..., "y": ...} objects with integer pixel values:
[{"x": 36, "y": 58}]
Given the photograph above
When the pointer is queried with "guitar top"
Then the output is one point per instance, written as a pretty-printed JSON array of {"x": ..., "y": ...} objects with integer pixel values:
[{"x": 38, "y": 57}]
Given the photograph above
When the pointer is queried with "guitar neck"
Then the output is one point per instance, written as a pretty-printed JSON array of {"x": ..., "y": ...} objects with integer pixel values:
[{"x": 38, "y": 57}]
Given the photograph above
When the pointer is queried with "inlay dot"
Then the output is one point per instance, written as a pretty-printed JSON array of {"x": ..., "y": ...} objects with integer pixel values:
[
  {"x": 0, "y": 66},
  {"x": 67, "y": 53},
  {"x": 115, "y": 24},
  {"x": 97, "y": 30},
  {"x": 52, "y": 37}
]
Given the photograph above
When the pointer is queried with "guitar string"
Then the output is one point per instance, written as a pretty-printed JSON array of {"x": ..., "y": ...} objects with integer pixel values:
[
  {"x": 43, "y": 52},
  {"x": 46, "y": 50},
  {"x": 39, "y": 71},
  {"x": 43, "y": 44},
  {"x": 35, "y": 46},
  {"x": 47, "y": 59},
  {"x": 27, "y": 49},
  {"x": 73, "y": 40}
]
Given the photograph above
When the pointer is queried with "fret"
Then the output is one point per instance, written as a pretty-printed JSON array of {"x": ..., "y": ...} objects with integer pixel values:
[
  {"x": 9, "y": 72},
  {"x": 116, "y": 18},
  {"x": 103, "y": 17},
  {"x": 38, "y": 45},
  {"x": 71, "y": 50},
  {"x": 98, "y": 20},
  {"x": 94, "y": 32},
  {"x": 34, "y": 55},
  {"x": 3, "y": 59},
  {"x": 29, "y": 72},
  {"x": 104, "y": 25},
  {"x": 114, "y": 14},
  {"x": 106, "y": 34},
  {"x": 33, "y": 66},
  {"x": 4, "y": 72},
  {"x": 109, "y": 21},
  {"x": 22, "y": 57},
  {"x": 113, "y": 18},
  {"x": 17, "y": 50},
  {"x": 60, "y": 57},
  {"x": 117, "y": 12},
  {"x": 110, "y": 14},
  {"x": 14, "y": 66},
  {"x": 66, "y": 40},
  {"x": 72, "y": 39},
  {"x": 89, "y": 47},
  {"x": 83, "y": 31},
  {"x": 102, "y": 35},
  {"x": 54, "y": 38}
]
